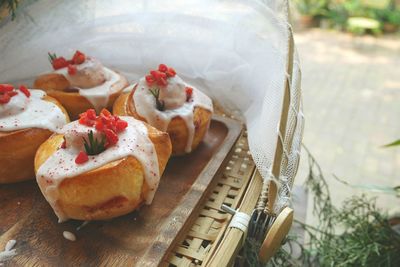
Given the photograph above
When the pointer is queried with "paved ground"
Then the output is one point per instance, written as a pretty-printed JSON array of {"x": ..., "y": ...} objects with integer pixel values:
[{"x": 351, "y": 93}]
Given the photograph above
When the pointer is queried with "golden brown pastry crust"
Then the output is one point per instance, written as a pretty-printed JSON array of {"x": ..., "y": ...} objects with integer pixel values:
[
  {"x": 177, "y": 129},
  {"x": 56, "y": 84},
  {"x": 18, "y": 150},
  {"x": 114, "y": 189}
]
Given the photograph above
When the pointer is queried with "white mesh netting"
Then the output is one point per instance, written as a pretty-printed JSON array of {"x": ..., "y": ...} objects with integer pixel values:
[{"x": 236, "y": 51}]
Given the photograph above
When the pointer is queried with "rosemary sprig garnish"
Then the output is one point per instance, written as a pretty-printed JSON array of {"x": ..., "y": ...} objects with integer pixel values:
[
  {"x": 156, "y": 93},
  {"x": 94, "y": 146},
  {"x": 52, "y": 57}
]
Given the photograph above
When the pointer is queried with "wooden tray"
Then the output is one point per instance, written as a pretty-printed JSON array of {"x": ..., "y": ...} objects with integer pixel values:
[{"x": 144, "y": 237}]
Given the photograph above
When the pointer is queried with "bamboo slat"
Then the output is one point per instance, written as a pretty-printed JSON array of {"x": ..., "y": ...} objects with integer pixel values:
[{"x": 205, "y": 235}]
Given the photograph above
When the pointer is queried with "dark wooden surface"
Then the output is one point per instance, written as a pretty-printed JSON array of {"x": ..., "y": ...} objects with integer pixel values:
[{"x": 143, "y": 237}]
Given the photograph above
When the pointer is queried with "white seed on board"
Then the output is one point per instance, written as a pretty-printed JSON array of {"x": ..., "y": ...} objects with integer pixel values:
[
  {"x": 10, "y": 244},
  {"x": 69, "y": 236}
]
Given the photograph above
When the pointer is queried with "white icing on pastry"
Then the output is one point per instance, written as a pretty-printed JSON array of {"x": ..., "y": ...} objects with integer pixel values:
[
  {"x": 31, "y": 112},
  {"x": 94, "y": 81},
  {"x": 133, "y": 141},
  {"x": 174, "y": 97},
  {"x": 89, "y": 74}
]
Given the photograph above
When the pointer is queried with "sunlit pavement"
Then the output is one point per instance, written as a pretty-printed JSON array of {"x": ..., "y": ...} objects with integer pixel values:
[{"x": 351, "y": 94}]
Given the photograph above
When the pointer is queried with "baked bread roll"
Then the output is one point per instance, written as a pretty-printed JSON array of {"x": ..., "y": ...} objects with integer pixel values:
[
  {"x": 166, "y": 102},
  {"x": 101, "y": 167},
  {"x": 27, "y": 119},
  {"x": 81, "y": 83}
]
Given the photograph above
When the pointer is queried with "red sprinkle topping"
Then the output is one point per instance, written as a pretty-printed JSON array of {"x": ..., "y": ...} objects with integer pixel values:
[
  {"x": 171, "y": 72},
  {"x": 85, "y": 120},
  {"x": 149, "y": 79},
  {"x": 160, "y": 76},
  {"x": 121, "y": 125},
  {"x": 25, "y": 90},
  {"x": 78, "y": 57},
  {"x": 112, "y": 137},
  {"x": 7, "y": 91},
  {"x": 81, "y": 158},
  {"x": 189, "y": 92},
  {"x": 61, "y": 62},
  {"x": 162, "y": 68},
  {"x": 72, "y": 69},
  {"x": 91, "y": 114},
  {"x": 6, "y": 88},
  {"x": 13, "y": 93},
  {"x": 5, "y": 98},
  {"x": 106, "y": 123},
  {"x": 105, "y": 112},
  {"x": 99, "y": 125}
]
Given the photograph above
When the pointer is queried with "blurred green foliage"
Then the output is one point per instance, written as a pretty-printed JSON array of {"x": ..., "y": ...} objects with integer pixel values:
[
  {"x": 11, "y": 5},
  {"x": 338, "y": 12},
  {"x": 312, "y": 7}
]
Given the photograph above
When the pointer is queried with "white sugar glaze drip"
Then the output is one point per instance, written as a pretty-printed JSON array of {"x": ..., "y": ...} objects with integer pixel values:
[
  {"x": 106, "y": 79},
  {"x": 33, "y": 112},
  {"x": 133, "y": 141},
  {"x": 129, "y": 88},
  {"x": 145, "y": 105}
]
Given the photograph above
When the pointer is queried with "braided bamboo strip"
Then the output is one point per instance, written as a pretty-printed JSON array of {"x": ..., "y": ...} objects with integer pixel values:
[{"x": 202, "y": 238}]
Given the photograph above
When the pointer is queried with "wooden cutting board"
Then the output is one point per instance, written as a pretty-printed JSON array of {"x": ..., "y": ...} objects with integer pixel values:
[{"x": 142, "y": 238}]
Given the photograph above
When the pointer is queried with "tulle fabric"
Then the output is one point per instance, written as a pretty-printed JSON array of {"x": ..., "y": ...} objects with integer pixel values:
[{"x": 235, "y": 51}]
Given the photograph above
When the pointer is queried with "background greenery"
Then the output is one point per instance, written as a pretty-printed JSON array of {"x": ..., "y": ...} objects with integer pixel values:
[
  {"x": 337, "y": 12},
  {"x": 10, "y": 6}
]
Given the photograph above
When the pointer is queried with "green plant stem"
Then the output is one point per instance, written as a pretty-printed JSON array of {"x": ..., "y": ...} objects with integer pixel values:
[
  {"x": 394, "y": 143},
  {"x": 156, "y": 93},
  {"x": 93, "y": 146},
  {"x": 365, "y": 237}
]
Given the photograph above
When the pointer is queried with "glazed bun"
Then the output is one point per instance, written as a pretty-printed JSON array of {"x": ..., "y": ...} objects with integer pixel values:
[
  {"x": 165, "y": 101},
  {"x": 18, "y": 150},
  {"x": 114, "y": 188},
  {"x": 177, "y": 129},
  {"x": 81, "y": 84}
]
